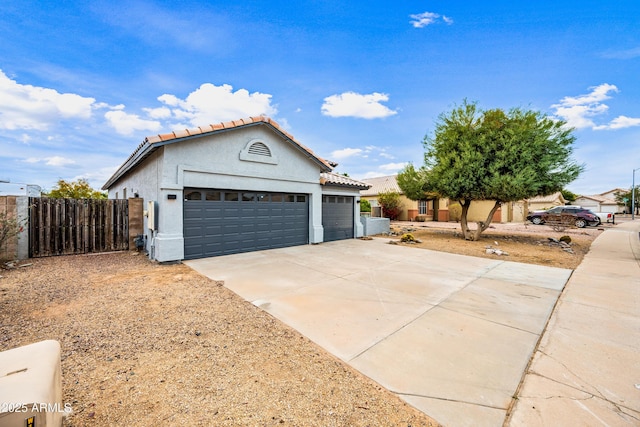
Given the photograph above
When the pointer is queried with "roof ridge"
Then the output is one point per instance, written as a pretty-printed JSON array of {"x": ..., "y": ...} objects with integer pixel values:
[{"x": 150, "y": 141}]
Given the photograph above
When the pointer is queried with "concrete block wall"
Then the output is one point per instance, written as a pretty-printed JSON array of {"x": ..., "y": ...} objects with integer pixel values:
[{"x": 373, "y": 226}]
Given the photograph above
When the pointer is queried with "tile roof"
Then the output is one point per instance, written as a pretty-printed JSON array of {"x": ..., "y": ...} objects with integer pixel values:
[
  {"x": 611, "y": 193},
  {"x": 600, "y": 199},
  {"x": 330, "y": 178},
  {"x": 381, "y": 184},
  {"x": 548, "y": 199},
  {"x": 152, "y": 143}
]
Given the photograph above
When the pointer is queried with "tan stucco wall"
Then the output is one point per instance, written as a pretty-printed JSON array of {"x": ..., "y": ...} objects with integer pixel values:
[
  {"x": 478, "y": 211},
  {"x": 537, "y": 206}
]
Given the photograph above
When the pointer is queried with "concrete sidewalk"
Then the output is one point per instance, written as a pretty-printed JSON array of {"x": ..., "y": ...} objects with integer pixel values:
[
  {"x": 586, "y": 370},
  {"x": 451, "y": 335}
]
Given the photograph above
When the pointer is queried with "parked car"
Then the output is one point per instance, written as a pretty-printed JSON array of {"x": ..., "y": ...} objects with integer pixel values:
[
  {"x": 575, "y": 215},
  {"x": 606, "y": 216}
]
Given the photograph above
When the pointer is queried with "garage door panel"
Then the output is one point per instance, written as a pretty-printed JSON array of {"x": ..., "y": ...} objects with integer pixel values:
[
  {"x": 337, "y": 217},
  {"x": 243, "y": 221}
]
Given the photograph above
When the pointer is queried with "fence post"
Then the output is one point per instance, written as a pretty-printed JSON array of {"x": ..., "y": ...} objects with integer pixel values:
[{"x": 135, "y": 220}]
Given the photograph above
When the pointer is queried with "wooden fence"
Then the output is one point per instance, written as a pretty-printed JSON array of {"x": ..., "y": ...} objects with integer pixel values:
[{"x": 77, "y": 226}]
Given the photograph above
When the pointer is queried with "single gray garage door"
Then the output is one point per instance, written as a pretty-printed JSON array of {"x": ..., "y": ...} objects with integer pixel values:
[
  {"x": 337, "y": 217},
  {"x": 222, "y": 222}
]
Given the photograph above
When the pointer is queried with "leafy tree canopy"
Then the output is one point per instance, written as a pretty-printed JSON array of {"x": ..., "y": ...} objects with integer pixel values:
[
  {"x": 569, "y": 196},
  {"x": 79, "y": 189},
  {"x": 627, "y": 197},
  {"x": 413, "y": 182},
  {"x": 497, "y": 155}
]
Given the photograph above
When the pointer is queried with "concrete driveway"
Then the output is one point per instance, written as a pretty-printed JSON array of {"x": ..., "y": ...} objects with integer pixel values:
[{"x": 451, "y": 335}]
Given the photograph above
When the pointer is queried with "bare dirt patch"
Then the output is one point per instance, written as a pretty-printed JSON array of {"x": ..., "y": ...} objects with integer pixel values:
[
  {"x": 522, "y": 243},
  {"x": 153, "y": 344}
]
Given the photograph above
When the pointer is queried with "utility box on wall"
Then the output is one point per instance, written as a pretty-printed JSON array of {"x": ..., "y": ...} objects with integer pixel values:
[
  {"x": 31, "y": 386},
  {"x": 152, "y": 215}
]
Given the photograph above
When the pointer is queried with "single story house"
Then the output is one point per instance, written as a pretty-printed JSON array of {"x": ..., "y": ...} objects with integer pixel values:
[
  {"x": 238, "y": 186},
  {"x": 409, "y": 209},
  {"x": 540, "y": 203},
  {"x": 599, "y": 203},
  {"x": 611, "y": 194}
]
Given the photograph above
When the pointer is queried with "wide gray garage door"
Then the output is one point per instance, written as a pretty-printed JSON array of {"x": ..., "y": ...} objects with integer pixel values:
[
  {"x": 337, "y": 217},
  {"x": 221, "y": 222}
]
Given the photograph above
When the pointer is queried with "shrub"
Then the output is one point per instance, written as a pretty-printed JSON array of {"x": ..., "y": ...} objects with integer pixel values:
[
  {"x": 421, "y": 218},
  {"x": 9, "y": 228},
  {"x": 390, "y": 203},
  {"x": 455, "y": 211},
  {"x": 566, "y": 239},
  {"x": 365, "y": 206},
  {"x": 407, "y": 237}
]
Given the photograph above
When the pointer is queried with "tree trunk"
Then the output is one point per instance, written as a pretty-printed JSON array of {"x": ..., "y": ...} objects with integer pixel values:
[
  {"x": 482, "y": 226},
  {"x": 466, "y": 233}
]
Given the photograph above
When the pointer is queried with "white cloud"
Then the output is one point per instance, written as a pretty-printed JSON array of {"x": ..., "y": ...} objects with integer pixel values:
[
  {"x": 345, "y": 153},
  {"x": 59, "y": 161},
  {"x": 420, "y": 20},
  {"x": 210, "y": 104},
  {"x": 51, "y": 161},
  {"x": 127, "y": 124},
  {"x": 620, "y": 122},
  {"x": 34, "y": 107},
  {"x": 578, "y": 111},
  {"x": 393, "y": 167},
  {"x": 623, "y": 54},
  {"x": 158, "y": 113},
  {"x": 351, "y": 104}
]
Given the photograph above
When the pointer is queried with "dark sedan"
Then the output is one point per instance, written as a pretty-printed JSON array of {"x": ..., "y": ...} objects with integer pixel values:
[{"x": 565, "y": 215}]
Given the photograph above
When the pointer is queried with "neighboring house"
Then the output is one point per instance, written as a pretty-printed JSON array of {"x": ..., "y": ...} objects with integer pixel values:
[
  {"x": 540, "y": 203},
  {"x": 509, "y": 211},
  {"x": 233, "y": 187},
  {"x": 15, "y": 189},
  {"x": 409, "y": 208},
  {"x": 611, "y": 194},
  {"x": 599, "y": 203}
]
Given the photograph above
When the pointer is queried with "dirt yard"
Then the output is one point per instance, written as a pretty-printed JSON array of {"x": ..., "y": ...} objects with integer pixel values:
[
  {"x": 155, "y": 345},
  {"x": 518, "y": 242}
]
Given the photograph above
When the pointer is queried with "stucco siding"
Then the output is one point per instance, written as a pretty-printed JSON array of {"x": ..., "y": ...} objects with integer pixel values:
[
  {"x": 142, "y": 181},
  {"x": 219, "y": 154}
]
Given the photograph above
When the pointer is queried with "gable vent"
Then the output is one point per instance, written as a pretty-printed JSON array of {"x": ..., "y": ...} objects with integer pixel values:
[{"x": 259, "y": 149}]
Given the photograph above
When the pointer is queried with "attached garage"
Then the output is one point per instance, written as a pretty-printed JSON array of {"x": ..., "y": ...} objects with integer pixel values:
[
  {"x": 340, "y": 210},
  {"x": 222, "y": 222},
  {"x": 232, "y": 187},
  {"x": 338, "y": 217}
]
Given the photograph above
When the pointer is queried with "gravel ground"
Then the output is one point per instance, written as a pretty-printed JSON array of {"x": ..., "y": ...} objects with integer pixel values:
[
  {"x": 514, "y": 241},
  {"x": 153, "y": 344}
]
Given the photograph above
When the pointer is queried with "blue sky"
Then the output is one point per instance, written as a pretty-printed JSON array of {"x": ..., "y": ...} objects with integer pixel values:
[{"x": 361, "y": 83}]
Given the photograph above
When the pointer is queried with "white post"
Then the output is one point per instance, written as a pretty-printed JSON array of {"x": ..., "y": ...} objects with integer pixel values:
[{"x": 633, "y": 195}]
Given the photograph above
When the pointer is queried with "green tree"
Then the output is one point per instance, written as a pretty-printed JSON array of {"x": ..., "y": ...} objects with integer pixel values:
[
  {"x": 390, "y": 202},
  {"x": 497, "y": 155},
  {"x": 569, "y": 196},
  {"x": 365, "y": 206},
  {"x": 413, "y": 182},
  {"x": 626, "y": 197},
  {"x": 79, "y": 189}
]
